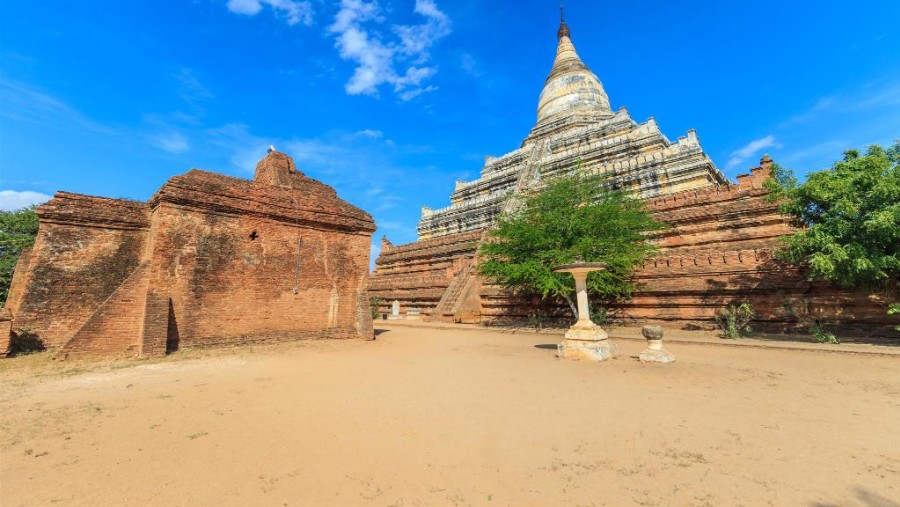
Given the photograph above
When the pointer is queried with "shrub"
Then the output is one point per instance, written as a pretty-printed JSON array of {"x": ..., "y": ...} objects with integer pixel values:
[
  {"x": 822, "y": 335},
  {"x": 600, "y": 315},
  {"x": 374, "y": 303},
  {"x": 536, "y": 319},
  {"x": 734, "y": 320}
]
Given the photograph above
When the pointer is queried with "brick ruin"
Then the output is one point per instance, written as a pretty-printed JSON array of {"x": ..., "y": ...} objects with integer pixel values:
[
  {"x": 719, "y": 249},
  {"x": 209, "y": 260}
]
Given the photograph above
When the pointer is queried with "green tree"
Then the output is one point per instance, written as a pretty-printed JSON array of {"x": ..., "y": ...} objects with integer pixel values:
[
  {"x": 17, "y": 231},
  {"x": 850, "y": 216},
  {"x": 570, "y": 218}
]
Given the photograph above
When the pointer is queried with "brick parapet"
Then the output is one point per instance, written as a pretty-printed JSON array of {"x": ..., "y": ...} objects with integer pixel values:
[
  {"x": 309, "y": 203},
  {"x": 78, "y": 209}
]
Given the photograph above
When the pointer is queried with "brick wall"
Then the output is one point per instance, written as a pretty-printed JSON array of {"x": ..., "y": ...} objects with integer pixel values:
[
  {"x": 209, "y": 260},
  {"x": 717, "y": 251},
  {"x": 85, "y": 248},
  {"x": 417, "y": 274}
]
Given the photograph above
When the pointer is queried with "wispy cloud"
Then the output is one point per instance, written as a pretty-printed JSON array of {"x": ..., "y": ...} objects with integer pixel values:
[
  {"x": 743, "y": 153},
  {"x": 192, "y": 90},
  {"x": 172, "y": 142},
  {"x": 360, "y": 37},
  {"x": 470, "y": 65},
  {"x": 828, "y": 150},
  {"x": 12, "y": 200},
  {"x": 21, "y": 102},
  {"x": 371, "y": 134},
  {"x": 294, "y": 11},
  {"x": 850, "y": 102}
]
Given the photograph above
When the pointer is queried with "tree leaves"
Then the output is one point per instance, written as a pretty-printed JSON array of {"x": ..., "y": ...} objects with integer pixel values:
[
  {"x": 851, "y": 215},
  {"x": 573, "y": 217},
  {"x": 17, "y": 231}
]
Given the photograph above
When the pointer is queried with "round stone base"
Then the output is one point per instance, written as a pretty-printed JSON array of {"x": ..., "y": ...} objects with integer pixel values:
[
  {"x": 657, "y": 356},
  {"x": 593, "y": 350}
]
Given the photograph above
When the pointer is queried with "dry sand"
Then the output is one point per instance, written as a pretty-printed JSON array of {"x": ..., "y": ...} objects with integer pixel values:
[{"x": 441, "y": 417}]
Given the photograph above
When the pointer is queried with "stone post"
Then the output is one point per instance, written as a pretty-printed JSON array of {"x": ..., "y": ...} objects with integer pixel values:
[
  {"x": 655, "y": 352},
  {"x": 585, "y": 340},
  {"x": 395, "y": 310}
]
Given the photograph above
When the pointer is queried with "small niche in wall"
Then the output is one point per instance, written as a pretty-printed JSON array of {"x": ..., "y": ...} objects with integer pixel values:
[{"x": 253, "y": 235}]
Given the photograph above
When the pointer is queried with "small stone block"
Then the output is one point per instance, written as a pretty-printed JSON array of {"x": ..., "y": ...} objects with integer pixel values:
[
  {"x": 581, "y": 350},
  {"x": 652, "y": 332},
  {"x": 656, "y": 356}
]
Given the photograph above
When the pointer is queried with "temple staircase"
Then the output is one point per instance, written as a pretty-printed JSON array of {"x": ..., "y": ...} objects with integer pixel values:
[
  {"x": 452, "y": 306},
  {"x": 527, "y": 176}
]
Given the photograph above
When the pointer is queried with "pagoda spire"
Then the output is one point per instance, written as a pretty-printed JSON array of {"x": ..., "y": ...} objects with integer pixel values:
[
  {"x": 563, "y": 27},
  {"x": 571, "y": 88}
]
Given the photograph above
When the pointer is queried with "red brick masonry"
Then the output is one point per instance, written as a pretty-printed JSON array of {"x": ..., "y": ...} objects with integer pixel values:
[
  {"x": 717, "y": 251},
  {"x": 209, "y": 260}
]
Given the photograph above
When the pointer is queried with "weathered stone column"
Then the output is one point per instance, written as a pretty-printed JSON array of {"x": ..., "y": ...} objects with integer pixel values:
[{"x": 585, "y": 340}]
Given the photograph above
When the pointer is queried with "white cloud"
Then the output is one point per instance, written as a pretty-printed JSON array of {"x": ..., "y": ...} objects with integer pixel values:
[
  {"x": 753, "y": 147},
  {"x": 192, "y": 90},
  {"x": 12, "y": 200},
  {"x": 172, "y": 142},
  {"x": 376, "y": 59},
  {"x": 411, "y": 94},
  {"x": 20, "y": 102},
  {"x": 369, "y": 133},
  {"x": 246, "y": 149},
  {"x": 295, "y": 11}
]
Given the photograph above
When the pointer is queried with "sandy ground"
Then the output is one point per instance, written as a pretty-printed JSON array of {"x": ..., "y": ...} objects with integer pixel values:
[{"x": 437, "y": 417}]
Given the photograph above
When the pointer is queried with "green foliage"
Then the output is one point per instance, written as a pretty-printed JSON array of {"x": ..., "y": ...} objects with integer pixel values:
[
  {"x": 572, "y": 217},
  {"x": 894, "y": 309},
  {"x": 374, "y": 303},
  {"x": 822, "y": 335},
  {"x": 17, "y": 231},
  {"x": 851, "y": 215},
  {"x": 536, "y": 319},
  {"x": 781, "y": 179},
  {"x": 734, "y": 320},
  {"x": 600, "y": 315}
]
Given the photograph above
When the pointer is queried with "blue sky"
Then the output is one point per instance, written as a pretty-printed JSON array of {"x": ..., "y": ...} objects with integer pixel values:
[{"x": 392, "y": 101}]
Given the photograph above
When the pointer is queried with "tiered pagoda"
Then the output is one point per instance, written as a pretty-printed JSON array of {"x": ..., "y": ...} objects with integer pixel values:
[
  {"x": 576, "y": 128},
  {"x": 717, "y": 250}
]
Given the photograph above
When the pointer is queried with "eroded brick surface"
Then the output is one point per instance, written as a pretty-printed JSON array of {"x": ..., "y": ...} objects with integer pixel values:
[{"x": 209, "y": 260}]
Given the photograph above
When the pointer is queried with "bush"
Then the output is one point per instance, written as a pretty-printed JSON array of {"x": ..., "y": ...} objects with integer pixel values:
[
  {"x": 600, "y": 315},
  {"x": 822, "y": 335},
  {"x": 374, "y": 303},
  {"x": 536, "y": 319},
  {"x": 734, "y": 320}
]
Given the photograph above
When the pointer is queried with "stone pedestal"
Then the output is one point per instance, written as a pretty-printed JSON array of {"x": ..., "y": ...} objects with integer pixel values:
[
  {"x": 395, "y": 311},
  {"x": 655, "y": 353},
  {"x": 585, "y": 340}
]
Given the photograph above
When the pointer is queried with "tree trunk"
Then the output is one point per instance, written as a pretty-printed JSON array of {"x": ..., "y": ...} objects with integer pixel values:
[{"x": 572, "y": 305}]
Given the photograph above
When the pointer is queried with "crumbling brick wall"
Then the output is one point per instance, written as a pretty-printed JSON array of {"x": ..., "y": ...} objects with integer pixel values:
[
  {"x": 209, "y": 260},
  {"x": 85, "y": 248}
]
